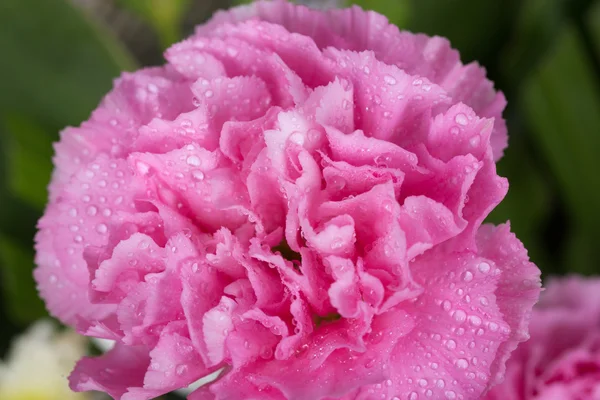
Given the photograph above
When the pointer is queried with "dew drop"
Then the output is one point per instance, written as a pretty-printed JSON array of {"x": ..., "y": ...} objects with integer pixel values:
[
  {"x": 461, "y": 119},
  {"x": 232, "y": 51},
  {"x": 451, "y": 344},
  {"x": 101, "y": 228},
  {"x": 198, "y": 175},
  {"x": 462, "y": 363},
  {"x": 450, "y": 394},
  {"x": 193, "y": 160},
  {"x": 483, "y": 267},
  {"x": 468, "y": 276},
  {"x": 370, "y": 363},
  {"x": 142, "y": 167},
  {"x": 460, "y": 315},
  {"x": 92, "y": 210},
  {"x": 446, "y": 305},
  {"x": 152, "y": 88},
  {"x": 390, "y": 80}
]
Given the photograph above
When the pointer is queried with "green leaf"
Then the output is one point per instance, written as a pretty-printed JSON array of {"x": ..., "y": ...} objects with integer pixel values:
[
  {"x": 56, "y": 64},
  {"x": 22, "y": 301},
  {"x": 538, "y": 25},
  {"x": 593, "y": 23},
  {"x": 397, "y": 11},
  {"x": 165, "y": 16},
  {"x": 28, "y": 159},
  {"x": 561, "y": 101},
  {"x": 528, "y": 202},
  {"x": 476, "y": 28}
]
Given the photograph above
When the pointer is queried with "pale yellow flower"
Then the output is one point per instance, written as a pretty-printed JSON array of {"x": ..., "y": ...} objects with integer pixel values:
[{"x": 39, "y": 363}]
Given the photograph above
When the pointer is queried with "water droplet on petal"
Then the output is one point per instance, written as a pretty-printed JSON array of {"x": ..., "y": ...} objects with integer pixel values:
[
  {"x": 483, "y": 267},
  {"x": 181, "y": 369},
  {"x": 193, "y": 160},
  {"x": 460, "y": 315},
  {"x": 198, "y": 175},
  {"x": 461, "y": 119},
  {"x": 450, "y": 394},
  {"x": 468, "y": 276},
  {"x": 142, "y": 167},
  {"x": 446, "y": 305},
  {"x": 390, "y": 80}
]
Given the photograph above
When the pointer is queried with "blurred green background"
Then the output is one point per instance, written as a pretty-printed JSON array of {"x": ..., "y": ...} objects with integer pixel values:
[{"x": 58, "y": 58}]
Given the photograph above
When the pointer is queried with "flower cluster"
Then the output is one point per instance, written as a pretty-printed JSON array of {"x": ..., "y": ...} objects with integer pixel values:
[
  {"x": 296, "y": 198},
  {"x": 562, "y": 358}
]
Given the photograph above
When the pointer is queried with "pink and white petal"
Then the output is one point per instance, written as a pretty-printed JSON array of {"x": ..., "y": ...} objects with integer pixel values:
[
  {"x": 250, "y": 341},
  {"x": 340, "y": 373},
  {"x": 344, "y": 292},
  {"x": 161, "y": 135},
  {"x": 132, "y": 259},
  {"x": 299, "y": 52},
  {"x": 358, "y": 149},
  {"x": 116, "y": 372},
  {"x": 358, "y": 30},
  {"x": 83, "y": 215},
  {"x": 457, "y": 333},
  {"x": 193, "y": 63},
  {"x": 265, "y": 194},
  {"x": 217, "y": 323},
  {"x": 344, "y": 180},
  {"x": 425, "y": 223},
  {"x": 241, "y": 98},
  {"x": 332, "y": 105},
  {"x": 201, "y": 291},
  {"x": 274, "y": 323},
  {"x": 518, "y": 289},
  {"x": 459, "y": 131},
  {"x": 204, "y": 195},
  {"x": 241, "y": 59},
  {"x": 174, "y": 364},
  {"x": 387, "y": 100}
]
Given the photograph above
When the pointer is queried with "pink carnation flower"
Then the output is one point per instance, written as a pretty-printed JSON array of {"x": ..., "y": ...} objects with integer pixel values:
[
  {"x": 296, "y": 198},
  {"x": 562, "y": 358}
]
